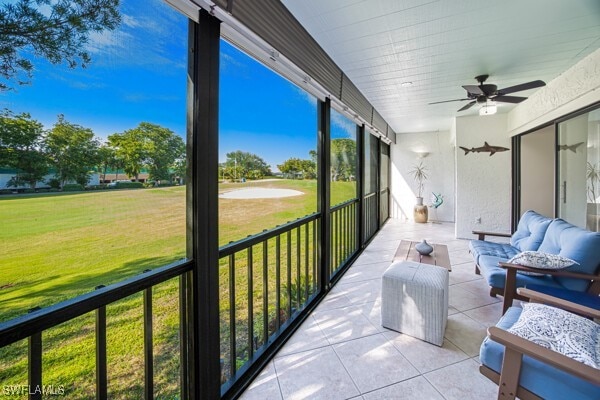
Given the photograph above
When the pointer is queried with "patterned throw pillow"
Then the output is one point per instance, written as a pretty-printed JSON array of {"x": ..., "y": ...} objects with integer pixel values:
[
  {"x": 538, "y": 259},
  {"x": 559, "y": 330}
]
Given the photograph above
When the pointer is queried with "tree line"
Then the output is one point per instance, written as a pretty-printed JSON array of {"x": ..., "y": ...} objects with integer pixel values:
[
  {"x": 240, "y": 165},
  {"x": 75, "y": 153},
  {"x": 343, "y": 162},
  {"x": 243, "y": 165}
]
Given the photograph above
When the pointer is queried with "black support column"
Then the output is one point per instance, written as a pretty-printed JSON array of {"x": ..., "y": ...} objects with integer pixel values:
[
  {"x": 202, "y": 365},
  {"x": 360, "y": 183},
  {"x": 379, "y": 145},
  {"x": 516, "y": 182},
  {"x": 324, "y": 191}
]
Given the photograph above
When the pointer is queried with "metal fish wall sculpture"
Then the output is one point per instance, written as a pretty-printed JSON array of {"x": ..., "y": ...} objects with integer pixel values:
[
  {"x": 486, "y": 148},
  {"x": 572, "y": 147}
]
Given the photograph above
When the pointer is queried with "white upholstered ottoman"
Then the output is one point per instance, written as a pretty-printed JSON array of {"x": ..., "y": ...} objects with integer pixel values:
[{"x": 414, "y": 300}]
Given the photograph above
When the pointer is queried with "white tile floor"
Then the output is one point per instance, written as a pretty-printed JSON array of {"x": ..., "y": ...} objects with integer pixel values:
[{"x": 343, "y": 352}]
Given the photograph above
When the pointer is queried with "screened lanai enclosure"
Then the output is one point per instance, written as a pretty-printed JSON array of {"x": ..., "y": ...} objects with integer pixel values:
[
  {"x": 171, "y": 291},
  {"x": 182, "y": 182}
]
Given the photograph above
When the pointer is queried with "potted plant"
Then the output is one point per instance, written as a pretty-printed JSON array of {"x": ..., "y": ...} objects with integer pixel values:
[
  {"x": 593, "y": 184},
  {"x": 593, "y": 178},
  {"x": 419, "y": 174}
]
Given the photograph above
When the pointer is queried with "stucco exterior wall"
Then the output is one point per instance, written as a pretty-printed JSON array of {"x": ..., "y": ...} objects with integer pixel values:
[
  {"x": 483, "y": 182},
  {"x": 577, "y": 87}
]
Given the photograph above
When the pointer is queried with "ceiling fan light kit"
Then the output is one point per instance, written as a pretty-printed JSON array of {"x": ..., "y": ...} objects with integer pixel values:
[
  {"x": 488, "y": 109},
  {"x": 484, "y": 93}
]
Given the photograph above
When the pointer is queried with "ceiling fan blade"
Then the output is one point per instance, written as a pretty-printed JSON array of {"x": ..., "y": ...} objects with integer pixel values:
[
  {"x": 447, "y": 101},
  {"x": 509, "y": 99},
  {"x": 522, "y": 86},
  {"x": 473, "y": 89},
  {"x": 468, "y": 105}
]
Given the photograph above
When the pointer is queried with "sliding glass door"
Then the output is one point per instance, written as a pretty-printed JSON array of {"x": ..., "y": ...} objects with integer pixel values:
[
  {"x": 537, "y": 160},
  {"x": 371, "y": 185},
  {"x": 384, "y": 184},
  {"x": 578, "y": 174}
]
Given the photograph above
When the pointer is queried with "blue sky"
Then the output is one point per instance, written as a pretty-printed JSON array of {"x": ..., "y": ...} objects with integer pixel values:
[{"x": 138, "y": 73}]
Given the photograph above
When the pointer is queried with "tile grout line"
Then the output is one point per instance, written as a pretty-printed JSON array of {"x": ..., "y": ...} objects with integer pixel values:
[
  {"x": 277, "y": 376},
  {"x": 347, "y": 372}
]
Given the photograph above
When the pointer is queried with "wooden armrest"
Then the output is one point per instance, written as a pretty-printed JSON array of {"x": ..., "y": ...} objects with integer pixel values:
[
  {"x": 553, "y": 272},
  {"x": 510, "y": 284},
  {"x": 481, "y": 234},
  {"x": 560, "y": 303},
  {"x": 545, "y": 355}
]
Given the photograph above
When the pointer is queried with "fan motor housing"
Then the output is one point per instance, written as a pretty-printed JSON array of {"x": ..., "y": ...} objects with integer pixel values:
[{"x": 489, "y": 89}]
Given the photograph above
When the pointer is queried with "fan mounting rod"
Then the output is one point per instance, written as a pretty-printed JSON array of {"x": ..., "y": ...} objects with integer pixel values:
[{"x": 481, "y": 78}]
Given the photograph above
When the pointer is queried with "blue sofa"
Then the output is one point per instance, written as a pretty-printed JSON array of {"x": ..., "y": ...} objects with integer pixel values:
[{"x": 536, "y": 232}]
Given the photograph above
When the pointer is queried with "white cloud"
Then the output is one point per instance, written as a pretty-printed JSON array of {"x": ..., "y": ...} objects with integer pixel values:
[
  {"x": 147, "y": 36},
  {"x": 129, "y": 21},
  {"x": 343, "y": 123},
  {"x": 108, "y": 41},
  {"x": 228, "y": 61},
  {"x": 78, "y": 79},
  {"x": 309, "y": 98}
]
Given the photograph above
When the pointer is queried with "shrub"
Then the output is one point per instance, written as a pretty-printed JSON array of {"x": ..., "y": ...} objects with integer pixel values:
[
  {"x": 6, "y": 191},
  {"x": 54, "y": 183},
  {"x": 29, "y": 190},
  {"x": 151, "y": 184},
  {"x": 255, "y": 174},
  {"x": 293, "y": 291},
  {"x": 73, "y": 187},
  {"x": 96, "y": 187},
  {"x": 129, "y": 185}
]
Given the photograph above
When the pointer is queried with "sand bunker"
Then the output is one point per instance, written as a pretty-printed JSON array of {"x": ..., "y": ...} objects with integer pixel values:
[{"x": 259, "y": 193}]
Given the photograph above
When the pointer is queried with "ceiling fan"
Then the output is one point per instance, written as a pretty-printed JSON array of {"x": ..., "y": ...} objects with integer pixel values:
[{"x": 484, "y": 91}]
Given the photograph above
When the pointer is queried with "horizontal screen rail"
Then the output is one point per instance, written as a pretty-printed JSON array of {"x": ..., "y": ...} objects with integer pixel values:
[
  {"x": 252, "y": 240},
  {"x": 27, "y": 325},
  {"x": 342, "y": 205}
]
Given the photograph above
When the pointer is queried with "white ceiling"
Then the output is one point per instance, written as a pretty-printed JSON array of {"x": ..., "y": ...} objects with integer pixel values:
[{"x": 441, "y": 45}]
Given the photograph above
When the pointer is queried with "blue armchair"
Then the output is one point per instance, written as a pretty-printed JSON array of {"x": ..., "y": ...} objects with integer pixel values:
[{"x": 524, "y": 368}]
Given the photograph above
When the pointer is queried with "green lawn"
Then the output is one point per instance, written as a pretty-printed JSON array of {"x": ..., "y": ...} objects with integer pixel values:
[{"x": 57, "y": 246}]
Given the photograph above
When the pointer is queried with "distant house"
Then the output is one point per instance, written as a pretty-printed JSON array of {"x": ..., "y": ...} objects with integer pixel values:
[
  {"x": 96, "y": 178},
  {"x": 290, "y": 175},
  {"x": 113, "y": 175},
  {"x": 6, "y": 174}
]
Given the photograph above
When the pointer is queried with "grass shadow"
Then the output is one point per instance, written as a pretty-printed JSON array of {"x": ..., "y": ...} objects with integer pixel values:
[{"x": 71, "y": 287}]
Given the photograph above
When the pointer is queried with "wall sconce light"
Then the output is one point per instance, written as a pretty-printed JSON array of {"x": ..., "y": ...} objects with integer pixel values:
[
  {"x": 488, "y": 109},
  {"x": 421, "y": 154}
]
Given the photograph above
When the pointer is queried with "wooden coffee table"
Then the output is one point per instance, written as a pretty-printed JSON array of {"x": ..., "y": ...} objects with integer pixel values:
[{"x": 439, "y": 256}]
